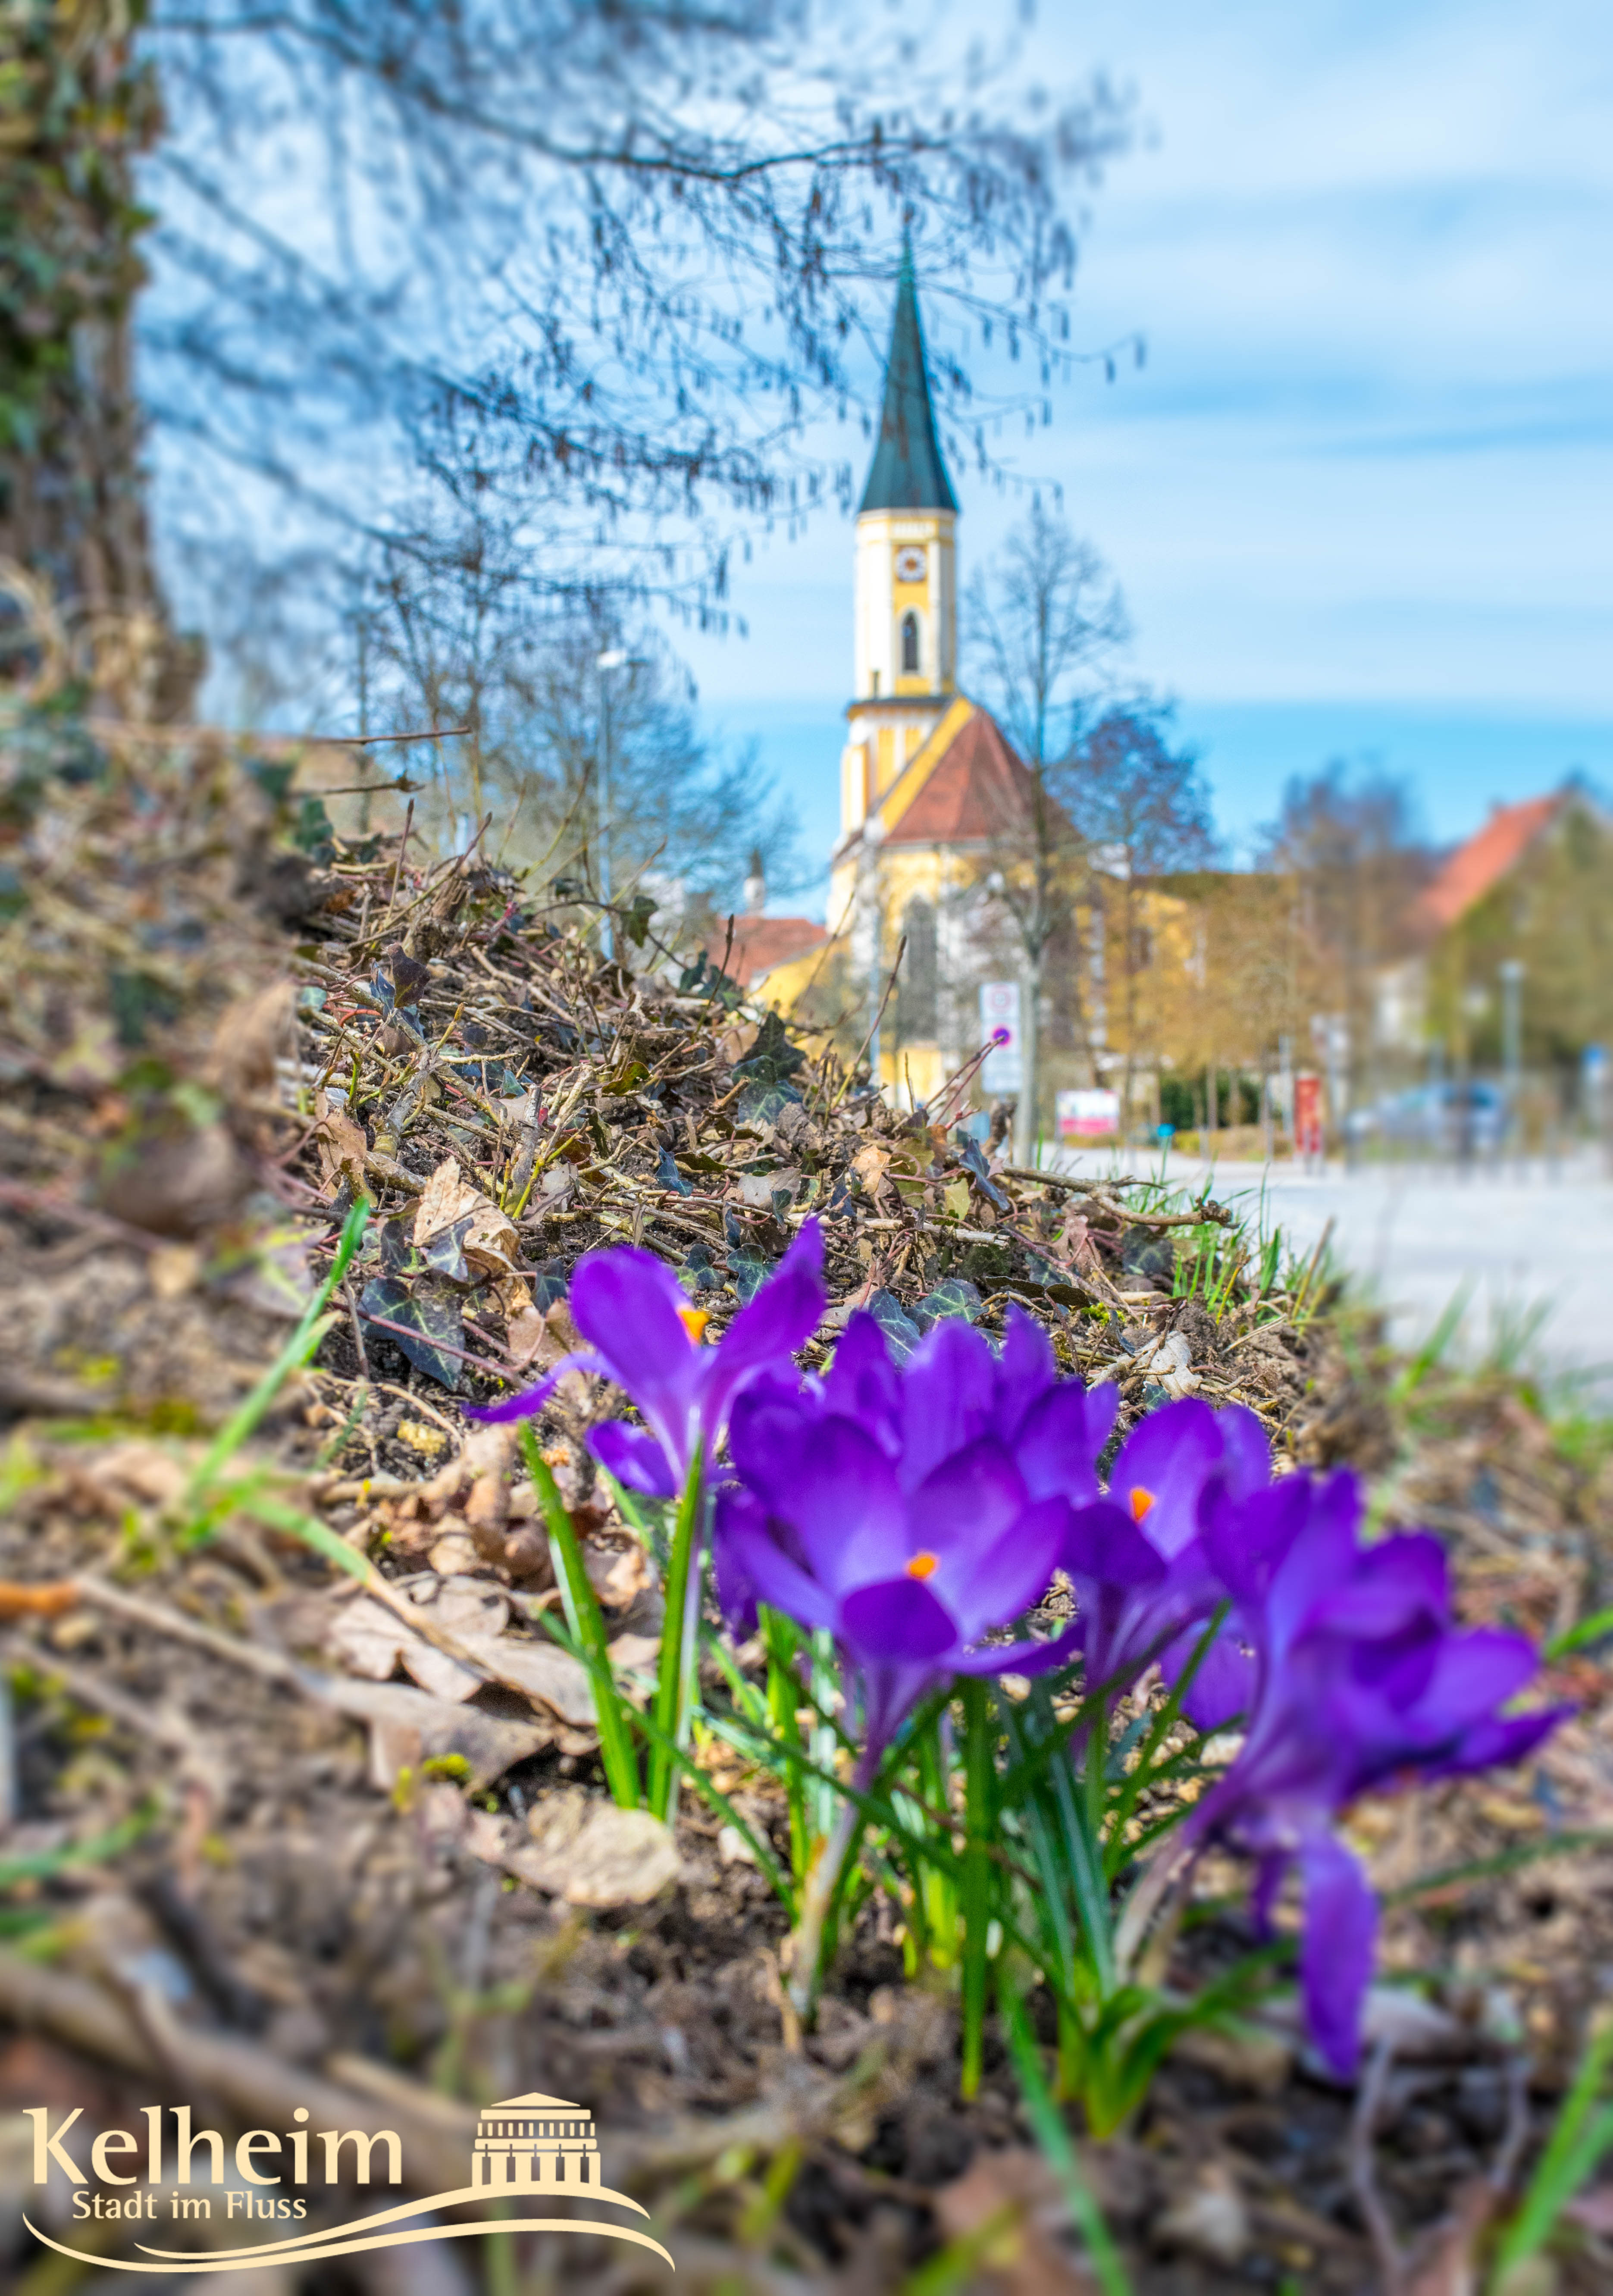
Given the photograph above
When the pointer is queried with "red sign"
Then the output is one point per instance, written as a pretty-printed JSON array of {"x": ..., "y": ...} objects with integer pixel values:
[{"x": 1307, "y": 1116}]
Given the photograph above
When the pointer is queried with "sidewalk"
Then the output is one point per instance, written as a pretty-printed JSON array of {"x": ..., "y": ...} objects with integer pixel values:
[{"x": 1412, "y": 1234}]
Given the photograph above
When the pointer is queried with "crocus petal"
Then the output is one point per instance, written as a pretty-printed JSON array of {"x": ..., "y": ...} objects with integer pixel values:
[
  {"x": 1321, "y": 1560},
  {"x": 1026, "y": 1370},
  {"x": 1336, "y": 1956},
  {"x": 1393, "y": 1583},
  {"x": 531, "y": 1400},
  {"x": 626, "y": 1303},
  {"x": 832, "y": 1483},
  {"x": 634, "y": 1456},
  {"x": 863, "y": 1384},
  {"x": 1225, "y": 1682},
  {"x": 1475, "y": 1672},
  {"x": 1247, "y": 1538},
  {"x": 1060, "y": 1440},
  {"x": 1104, "y": 1545},
  {"x": 781, "y": 1317},
  {"x": 1246, "y": 1450},
  {"x": 1494, "y": 1741},
  {"x": 946, "y": 1398},
  {"x": 1009, "y": 1575},
  {"x": 897, "y": 1621},
  {"x": 753, "y": 1560},
  {"x": 965, "y": 1506},
  {"x": 1166, "y": 1462}
]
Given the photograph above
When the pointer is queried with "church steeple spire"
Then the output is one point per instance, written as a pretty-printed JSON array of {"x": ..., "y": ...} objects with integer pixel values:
[{"x": 907, "y": 473}]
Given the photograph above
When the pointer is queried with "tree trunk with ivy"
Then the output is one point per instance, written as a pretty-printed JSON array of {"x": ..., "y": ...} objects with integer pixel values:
[{"x": 77, "y": 107}]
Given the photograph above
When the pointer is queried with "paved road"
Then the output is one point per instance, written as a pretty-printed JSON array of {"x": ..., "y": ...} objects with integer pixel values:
[{"x": 1414, "y": 1234}]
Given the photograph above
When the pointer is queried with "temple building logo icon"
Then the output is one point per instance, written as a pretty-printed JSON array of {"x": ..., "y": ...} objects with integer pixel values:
[{"x": 536, "y": 2142}]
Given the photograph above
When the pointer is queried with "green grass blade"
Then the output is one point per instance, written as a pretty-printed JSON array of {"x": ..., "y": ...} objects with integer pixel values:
[
  {"x": 1583, "y": 2132},
  {"x": 311, "y": 1328},
  {"x": 1047, "y": 2125},
  {"x": 673, "y": 1689},
  {"x": 587, "y": 1624},
  {"x": 980, "y": 1776}
]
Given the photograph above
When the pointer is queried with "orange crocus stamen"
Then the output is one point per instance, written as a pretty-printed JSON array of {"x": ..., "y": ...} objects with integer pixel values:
[
  {"x": 1141, "y": 1502},
  {"x": 694, "y": 1321},
  {"x": 922, "y": 1565}
]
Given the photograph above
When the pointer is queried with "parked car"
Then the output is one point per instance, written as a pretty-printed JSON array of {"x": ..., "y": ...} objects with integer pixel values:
[{"x": 1463, "y": 1120}]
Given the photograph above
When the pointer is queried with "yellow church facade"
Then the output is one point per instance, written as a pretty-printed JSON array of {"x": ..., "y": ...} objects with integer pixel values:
[
  {"x": 934, "y": 807},
  {"x": 928, "y": 784}
]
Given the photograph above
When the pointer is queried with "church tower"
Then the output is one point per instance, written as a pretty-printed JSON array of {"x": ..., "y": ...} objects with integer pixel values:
[{"x": 905, "y": 656}]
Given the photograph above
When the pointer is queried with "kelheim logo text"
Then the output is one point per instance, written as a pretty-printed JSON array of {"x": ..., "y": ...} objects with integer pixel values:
[{"x": 527, "y": 2148}]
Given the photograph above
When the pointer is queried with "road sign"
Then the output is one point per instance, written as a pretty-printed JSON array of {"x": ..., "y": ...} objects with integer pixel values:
[{"x": 1003, "y": 1070}]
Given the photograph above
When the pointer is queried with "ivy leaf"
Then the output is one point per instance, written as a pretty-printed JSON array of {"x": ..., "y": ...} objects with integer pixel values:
[
  {"x": 548, "y": 1284},
  {"x": 698, "y": 1273},
  {"x": 902, "y": 1334},
  {"x": 668, "y": 1174},
  {"x": 444, "y": 1252},
  {"x": 1145, "y": 1253},
  {"x": 430, "y": 1315},
  {"x": 748, "y": 1271},
  {"x": 953, "y": 1298},
  {"x": 764, "y": 1101}
]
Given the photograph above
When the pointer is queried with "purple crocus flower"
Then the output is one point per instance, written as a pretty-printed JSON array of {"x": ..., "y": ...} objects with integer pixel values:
[
  {"x": 1139, "y": 1566},
  {"x": 910, "y": 1512},
  {"x": 1344, "y": 1661},
  {"x": 645, "y": 1338}
]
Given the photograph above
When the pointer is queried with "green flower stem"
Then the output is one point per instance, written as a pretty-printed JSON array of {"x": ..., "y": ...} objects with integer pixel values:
[
  {"x": 674, "y": 1689},
  {"x": 979, "y": 1777},
  {"x": 587, "y": 1624},
  {"x": 784, "y": 1700},
  {"x": 1054, "y": 2137},
  {"x": 822, "y": 1884}
]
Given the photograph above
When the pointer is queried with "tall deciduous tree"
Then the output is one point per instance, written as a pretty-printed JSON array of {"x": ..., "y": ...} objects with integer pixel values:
[
  {"x": 1043, "y": 622},
  {"x": 606, "y": 265},
  {"x": 1142, "y": 810},
  {"x": 1351, "y": 844}
]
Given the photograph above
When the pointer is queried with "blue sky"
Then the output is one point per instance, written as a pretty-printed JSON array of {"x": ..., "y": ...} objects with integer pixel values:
[{"x": 1360, "y": 496}]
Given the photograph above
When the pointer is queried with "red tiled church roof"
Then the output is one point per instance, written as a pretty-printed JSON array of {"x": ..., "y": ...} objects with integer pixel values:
[
  {"x": 979, "y": 790},
  {"x": 759, "y": 943},
  {"x": 1485, "y": 859}
]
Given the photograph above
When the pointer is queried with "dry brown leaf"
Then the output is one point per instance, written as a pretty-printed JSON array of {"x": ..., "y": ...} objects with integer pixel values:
[
  {"x": 408, "y": 1726},
  {"x": 250, "y": 1035},
  {"x": 341, "y": 1144},
  {"x": 592, "y": 1854},
  {"x": 617, "y": 1574},
  {"x": 1016, "y": 2188},
  {"x": 446, "y": 1198}
]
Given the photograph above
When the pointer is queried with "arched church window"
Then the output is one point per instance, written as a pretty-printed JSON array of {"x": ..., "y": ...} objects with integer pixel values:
[
  {"x": 918, "y": 984},
  {"x": 910, "y": 645}
]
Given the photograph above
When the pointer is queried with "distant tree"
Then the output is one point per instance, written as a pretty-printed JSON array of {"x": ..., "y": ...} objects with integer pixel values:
[
  {"x": 582, "y": 737},
  {"x": 605, "y": 265},
  {"x": 1350, "y": 844},
  {"x": 1042, "y": 623},
  {"x": 1141, "y": 810}
]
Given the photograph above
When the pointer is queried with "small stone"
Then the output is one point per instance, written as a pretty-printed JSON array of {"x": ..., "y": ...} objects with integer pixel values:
[{"x": 1211, "y": 2220}]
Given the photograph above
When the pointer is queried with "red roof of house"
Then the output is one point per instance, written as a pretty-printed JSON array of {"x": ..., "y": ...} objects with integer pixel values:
[
  {"x": 1485, "y": 859},
  {"x": 759, "y": 943},
  {"x": 977, "y": 790}
]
